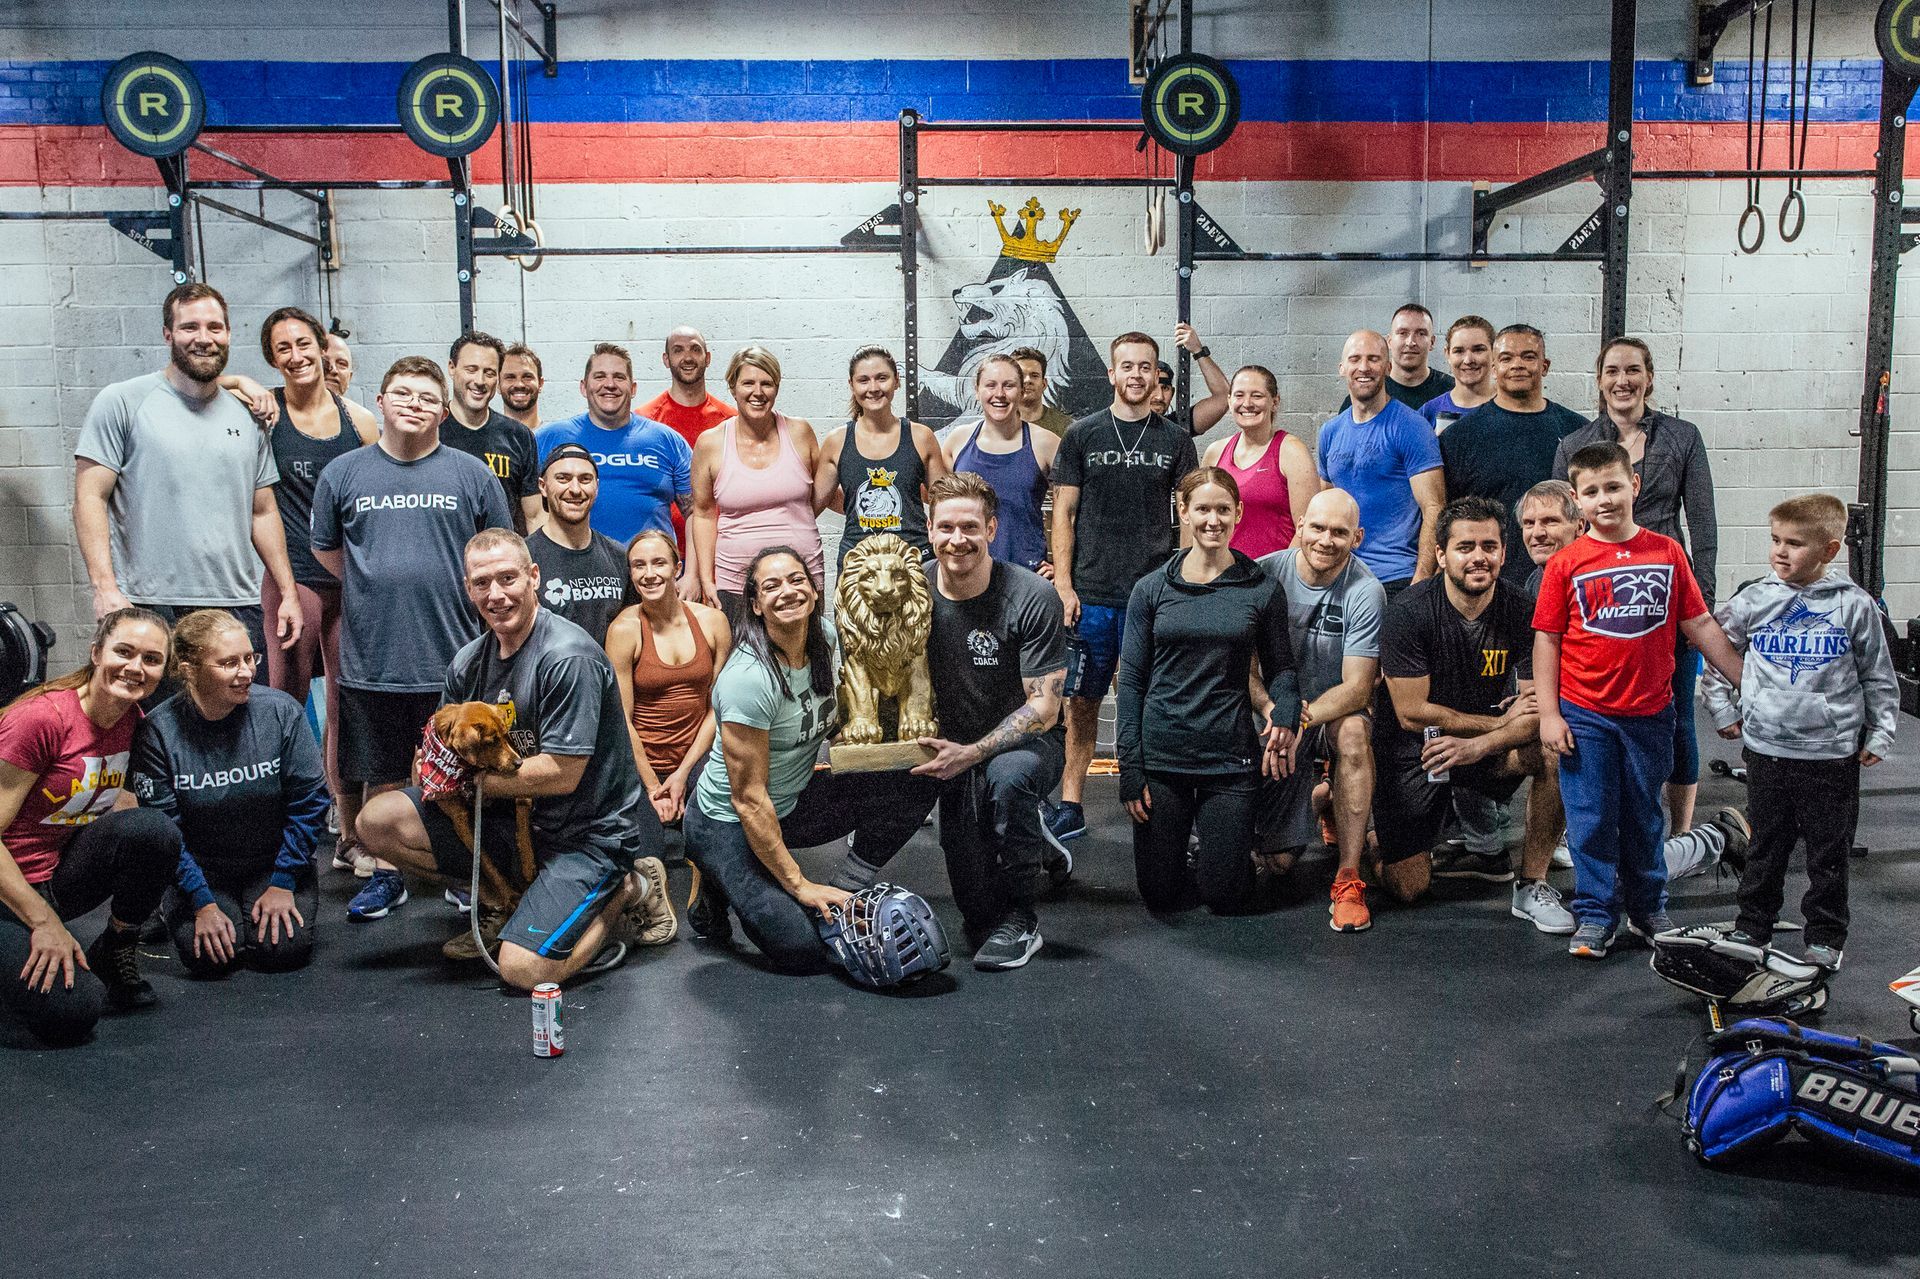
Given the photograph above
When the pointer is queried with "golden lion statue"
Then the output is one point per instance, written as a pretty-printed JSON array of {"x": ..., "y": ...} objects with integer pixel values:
[{"x": 884, "y": 613}]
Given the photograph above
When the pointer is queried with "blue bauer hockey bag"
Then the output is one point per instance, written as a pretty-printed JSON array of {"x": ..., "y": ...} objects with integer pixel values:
[{"x": 1769, "y": 1077}]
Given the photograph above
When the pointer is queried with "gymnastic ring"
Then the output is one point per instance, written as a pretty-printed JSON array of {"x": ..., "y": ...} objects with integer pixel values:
[
  {"x": 538, "y": 257},
  {"x": 1156, "y": 221},
  {"x": 1754, "y": 215},
  {"x": 1798, "y": 203}
]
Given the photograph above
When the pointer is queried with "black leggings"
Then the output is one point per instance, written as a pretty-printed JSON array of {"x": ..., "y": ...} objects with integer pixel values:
[
  {"x": 127, "y": 856},
  {"x": 1220, "y": 808},
  {"x": 235, "y": 895}
]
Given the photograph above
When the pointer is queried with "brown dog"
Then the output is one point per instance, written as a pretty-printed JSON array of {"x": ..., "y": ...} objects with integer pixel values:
[{"x": 477, "y": 733}]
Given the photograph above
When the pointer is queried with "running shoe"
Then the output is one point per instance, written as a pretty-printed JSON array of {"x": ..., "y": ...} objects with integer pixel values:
[
  {"x": 459, "y": 898},
  {"x": 1733, "y": 823},
  {"x": 461, "y": 947},
  {"x": 1492, "y": 868},
  {"x": 1058, "y": 858},
  {"x": 385, "y": 890},
  {"x": 114, "y": 958},
  {"x": 649, "y": 920},
  {"x": 1329, "y": 833},
  {"x": 1012, "y": 943},
  {"x": 1591, "y": 941},
  {"x": 1537, "y": 902},
  {"x": 348, "y": 855},
  {"x": 1827, "y": 957},
  {"x": 1347, "y": 913},
  {"x": 707, "y": 912},
  {"x": 611, "y": 955},
  {"x": 333, "y": 820},
  {"x": 1063, "y": 821},
  {"x": 1651, "y": 926},
  {"x": 1562, "y": 856}
]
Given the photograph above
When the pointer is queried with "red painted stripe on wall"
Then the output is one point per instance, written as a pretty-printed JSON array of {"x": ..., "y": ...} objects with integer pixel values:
[{"x": 63, "y": 156}]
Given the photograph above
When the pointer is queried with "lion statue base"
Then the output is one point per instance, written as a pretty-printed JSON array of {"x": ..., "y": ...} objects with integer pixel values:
[{"x": 883, "y": 609}]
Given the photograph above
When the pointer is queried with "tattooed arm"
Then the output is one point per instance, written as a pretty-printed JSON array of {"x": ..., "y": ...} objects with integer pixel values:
[{"x": 1040, "y": 712}]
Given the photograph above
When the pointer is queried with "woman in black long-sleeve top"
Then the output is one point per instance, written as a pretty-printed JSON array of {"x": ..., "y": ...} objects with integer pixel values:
[
  {"x": 1676, "y": 479},
  {"x": 1190, "y": 753}
]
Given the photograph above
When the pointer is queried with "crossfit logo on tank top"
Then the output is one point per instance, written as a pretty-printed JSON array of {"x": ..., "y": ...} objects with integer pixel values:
[
  {"x": 1625, "y": 602},
  {"x": 1801, "y": 640},
  {"x": 89, "y": 795},
  {"x": 878, "y": 506}
]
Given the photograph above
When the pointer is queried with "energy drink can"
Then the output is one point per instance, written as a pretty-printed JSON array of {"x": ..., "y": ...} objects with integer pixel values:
[
  {"x": 549, "y": 1040},
  {"x": 1427, "y": 734}
]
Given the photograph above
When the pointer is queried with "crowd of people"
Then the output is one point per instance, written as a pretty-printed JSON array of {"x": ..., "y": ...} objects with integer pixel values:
[{"x": 1371, "y": 643}]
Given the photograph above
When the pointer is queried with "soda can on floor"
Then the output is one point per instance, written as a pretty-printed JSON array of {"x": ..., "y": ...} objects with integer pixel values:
[
  {"x": 1427, "y": 734},
  {"x": 549, "y": 1040}
]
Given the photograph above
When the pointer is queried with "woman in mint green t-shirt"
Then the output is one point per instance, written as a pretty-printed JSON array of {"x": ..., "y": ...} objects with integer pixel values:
[{"x": 758, "y": 795}]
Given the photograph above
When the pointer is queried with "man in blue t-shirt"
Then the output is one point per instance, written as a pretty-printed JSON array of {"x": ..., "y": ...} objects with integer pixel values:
[
  {"x": 1385, "y": 455},
  {"x": 645, "y": 466}
]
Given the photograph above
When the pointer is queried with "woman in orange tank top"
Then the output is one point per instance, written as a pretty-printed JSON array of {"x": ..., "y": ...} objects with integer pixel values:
[{"x": 665, "y": 653}]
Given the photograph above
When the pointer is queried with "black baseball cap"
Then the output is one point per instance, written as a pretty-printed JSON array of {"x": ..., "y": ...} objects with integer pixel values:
[{"x": 566, "y": 451}]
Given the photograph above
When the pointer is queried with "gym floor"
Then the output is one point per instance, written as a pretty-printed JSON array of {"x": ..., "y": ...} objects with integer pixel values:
[{"x": 1448, "y": 1094}]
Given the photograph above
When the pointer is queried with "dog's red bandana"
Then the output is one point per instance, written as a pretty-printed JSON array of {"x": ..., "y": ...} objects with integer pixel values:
[{"x": 443, "y": 774}]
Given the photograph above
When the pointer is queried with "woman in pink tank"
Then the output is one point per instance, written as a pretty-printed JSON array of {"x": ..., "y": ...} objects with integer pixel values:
[
  {"x": 752, "y": 485},
  {"x": 1273, "y": 469}
]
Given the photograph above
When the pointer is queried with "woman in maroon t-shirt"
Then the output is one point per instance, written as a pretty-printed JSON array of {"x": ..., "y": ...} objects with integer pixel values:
[{"x": 69, "y": 838}]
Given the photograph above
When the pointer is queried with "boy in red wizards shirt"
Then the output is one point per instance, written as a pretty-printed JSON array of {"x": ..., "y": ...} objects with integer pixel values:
[{"x": 1603, "y": 654}]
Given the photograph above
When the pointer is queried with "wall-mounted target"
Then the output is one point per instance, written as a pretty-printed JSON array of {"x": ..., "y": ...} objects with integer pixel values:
[
  {"x": 152, "y": 104},
  {"x": 1191, "y": 104},
  {"x": 448, "y": 105}
]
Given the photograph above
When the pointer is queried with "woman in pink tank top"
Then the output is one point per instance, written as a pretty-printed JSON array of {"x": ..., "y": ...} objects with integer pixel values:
[
  {"x": 752, "y": 484},
  {"x": 1274, "y": 470}
]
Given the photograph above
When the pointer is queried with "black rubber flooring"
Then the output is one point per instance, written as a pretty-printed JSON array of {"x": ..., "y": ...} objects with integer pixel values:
[{"x": 1448, "y": 1094}]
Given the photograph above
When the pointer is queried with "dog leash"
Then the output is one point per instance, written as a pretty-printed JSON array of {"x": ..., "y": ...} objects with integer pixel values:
[{"x": 473, "y": 896}]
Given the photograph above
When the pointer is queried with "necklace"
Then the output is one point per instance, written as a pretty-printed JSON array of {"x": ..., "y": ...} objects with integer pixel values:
[{"x": 1128, "y": 455}]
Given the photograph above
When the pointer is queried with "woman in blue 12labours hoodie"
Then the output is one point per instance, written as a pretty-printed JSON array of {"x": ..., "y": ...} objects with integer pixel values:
[{"x": 1190, "y": 753}]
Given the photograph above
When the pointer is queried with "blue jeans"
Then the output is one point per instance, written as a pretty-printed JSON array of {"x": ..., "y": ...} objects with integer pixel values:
[
  {"x": 1610, "y": 787},
  {"x": 881, "y": 810}
]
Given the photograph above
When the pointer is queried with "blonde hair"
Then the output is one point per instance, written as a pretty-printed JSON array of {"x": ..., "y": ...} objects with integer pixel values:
[
  {"x": 194, "y": 634},
  {"x": 757, "y": 356},
  {"x": 1821, "y": 513}
]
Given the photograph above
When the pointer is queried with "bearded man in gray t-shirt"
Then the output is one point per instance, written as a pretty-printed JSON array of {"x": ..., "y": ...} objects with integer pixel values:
[{"x": 173, "y": 502}]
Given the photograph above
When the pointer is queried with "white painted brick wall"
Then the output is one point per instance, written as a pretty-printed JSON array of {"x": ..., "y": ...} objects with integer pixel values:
[{"x": 1761, "y": 352}]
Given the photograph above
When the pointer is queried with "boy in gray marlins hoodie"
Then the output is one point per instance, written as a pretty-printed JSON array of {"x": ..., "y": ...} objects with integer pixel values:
[{"x": 1818, "y": 699}]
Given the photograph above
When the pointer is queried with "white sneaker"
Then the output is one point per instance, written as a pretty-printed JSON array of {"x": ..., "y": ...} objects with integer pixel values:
[
  {"x": 1562, "y": 856},
  {"x": 1536, "y": 901}
]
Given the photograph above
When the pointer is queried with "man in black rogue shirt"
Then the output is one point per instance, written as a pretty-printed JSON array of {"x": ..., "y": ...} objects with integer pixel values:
[
  {"x": 583, "y": 573},
  {"x": 1458, "y": 656},
  {"x": 473, "y": 427},
  {"x": 1113, "y": 482},
  {"x": 597, "y": 883},
  {"x": 998, "y": 657}
]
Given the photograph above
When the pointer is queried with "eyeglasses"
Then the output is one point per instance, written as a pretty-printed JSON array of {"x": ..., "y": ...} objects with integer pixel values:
[
  {"x": 403, "y": 396},
  {"x": 240, "y": 661}
]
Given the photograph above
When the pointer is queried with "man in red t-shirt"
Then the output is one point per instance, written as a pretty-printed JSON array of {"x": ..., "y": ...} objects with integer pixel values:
[
  {"x": 686, "y": 405},
  {"x": 1603, "y": 654}
]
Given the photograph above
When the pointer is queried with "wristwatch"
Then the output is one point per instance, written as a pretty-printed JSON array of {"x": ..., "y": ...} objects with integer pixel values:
[{"x": 1203, "y": 352}]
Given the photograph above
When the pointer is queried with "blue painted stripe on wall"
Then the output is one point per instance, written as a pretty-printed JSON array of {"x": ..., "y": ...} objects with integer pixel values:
[{"x": 66, "y": 93}]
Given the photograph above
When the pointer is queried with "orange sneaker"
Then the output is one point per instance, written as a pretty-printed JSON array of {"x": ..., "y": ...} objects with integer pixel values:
[{"x": 1348, "y": 913}]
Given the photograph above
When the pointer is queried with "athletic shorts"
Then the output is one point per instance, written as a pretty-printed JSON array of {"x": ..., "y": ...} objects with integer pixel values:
[
  {"x": 1283, "y": 812},
  {"x": 560, "y": 893},
  {"x": 1093, "y": 650},
  {"x": 379, "y": 732},
  {"x": 1408, "y": 810}
]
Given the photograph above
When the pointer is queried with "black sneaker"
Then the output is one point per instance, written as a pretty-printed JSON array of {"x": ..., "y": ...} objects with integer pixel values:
[
  {"x": 114, "y": 958},
  {"x": 1733, "y": 824},
  {"x": 708, "y": 916},
  {"x": 1492, "y": 868},
  {"x": 1011, "y": 944}
]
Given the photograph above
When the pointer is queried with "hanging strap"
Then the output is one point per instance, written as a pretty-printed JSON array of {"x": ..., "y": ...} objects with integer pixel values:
[
  {"x": 1752, "y": 216},
  {"x": 1800, "y": 95}
]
